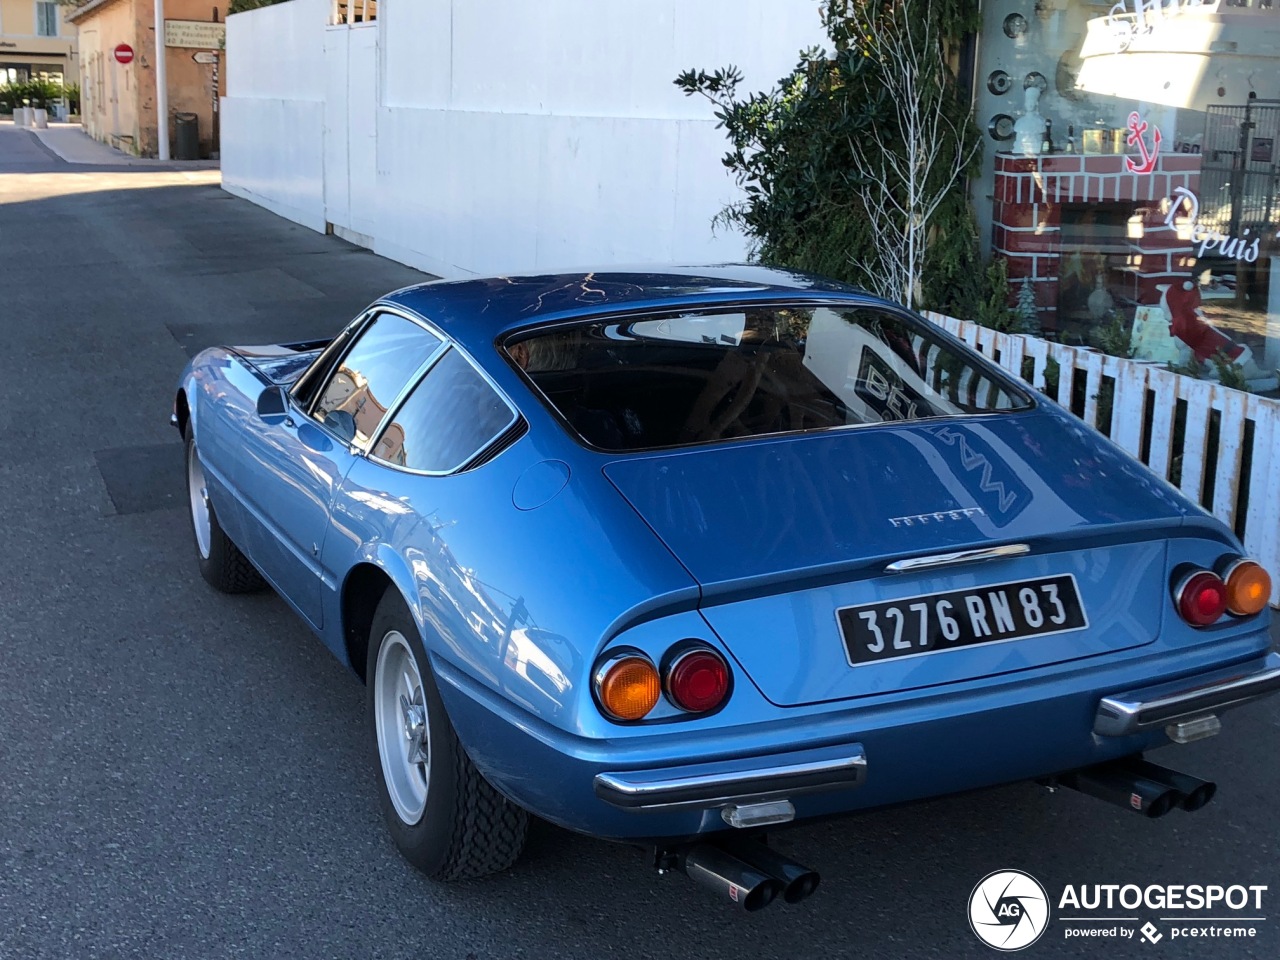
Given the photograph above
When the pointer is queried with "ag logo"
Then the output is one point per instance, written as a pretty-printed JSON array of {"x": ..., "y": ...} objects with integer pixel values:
[{"x": 1008, "y": 910}]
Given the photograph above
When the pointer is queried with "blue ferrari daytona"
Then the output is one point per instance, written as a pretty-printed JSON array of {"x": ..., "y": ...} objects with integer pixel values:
[{"x": 674, "y": 557}]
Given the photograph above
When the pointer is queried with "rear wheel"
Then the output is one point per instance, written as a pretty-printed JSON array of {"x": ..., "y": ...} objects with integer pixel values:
[
  {"x": 443, "y": 815},
  {"x": 221, "y": 562}
]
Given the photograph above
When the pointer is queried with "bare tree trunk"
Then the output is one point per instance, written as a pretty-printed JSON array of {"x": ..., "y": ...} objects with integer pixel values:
[{"x": 905, "y": 174}]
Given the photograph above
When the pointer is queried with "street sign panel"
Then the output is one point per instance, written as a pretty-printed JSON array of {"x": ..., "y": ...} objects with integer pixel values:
[
  {"x": 195, "y": 33},
  {"x": 205, "y": 56},
  {"x": 124, "y": 53}
]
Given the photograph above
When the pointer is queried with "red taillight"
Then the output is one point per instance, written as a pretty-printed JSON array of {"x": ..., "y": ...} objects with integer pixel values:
[
  {"x": 1201, "y": 598},
  {"x": 698, "y": 680}
]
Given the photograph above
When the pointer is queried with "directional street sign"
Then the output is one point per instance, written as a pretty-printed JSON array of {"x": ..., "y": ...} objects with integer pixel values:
[{"x": 205, "y": 56}]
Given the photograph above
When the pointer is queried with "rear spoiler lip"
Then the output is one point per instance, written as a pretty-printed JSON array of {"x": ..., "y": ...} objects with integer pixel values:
[
  {"x": 701, "y": 596},
  {"x": 871, "y": 567}
]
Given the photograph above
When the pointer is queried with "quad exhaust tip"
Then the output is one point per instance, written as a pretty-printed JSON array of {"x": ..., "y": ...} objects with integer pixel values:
[
  {"x": 746, "y": 873},
  {"x": 1141, "y": 786},
  {"x": 798, "y": 881},
  {"x": 751, "y": 875}
]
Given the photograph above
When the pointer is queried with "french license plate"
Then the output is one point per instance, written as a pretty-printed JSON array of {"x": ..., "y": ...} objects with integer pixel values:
[{"x": 961, "y": 618}]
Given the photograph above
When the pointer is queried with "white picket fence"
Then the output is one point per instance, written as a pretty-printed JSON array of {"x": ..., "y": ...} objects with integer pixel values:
[{"x": 1226, "y": 458}]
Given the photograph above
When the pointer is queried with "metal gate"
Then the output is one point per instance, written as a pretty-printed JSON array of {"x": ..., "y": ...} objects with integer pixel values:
[{"x": 1240, "y": 169}]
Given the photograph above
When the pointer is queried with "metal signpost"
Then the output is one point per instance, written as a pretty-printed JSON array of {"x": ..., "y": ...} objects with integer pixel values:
[
  {"x": 211, "y": 57},
  {"x": 162, "y": 87},
  {"x": 214, "y": 91},
  {"x": 206, "y": 37}
]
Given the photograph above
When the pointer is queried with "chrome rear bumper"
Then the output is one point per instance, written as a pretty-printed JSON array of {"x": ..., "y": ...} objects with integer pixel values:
[
  {"x": 735, "y": 781},
  {"x": 1151, "y": 707}
]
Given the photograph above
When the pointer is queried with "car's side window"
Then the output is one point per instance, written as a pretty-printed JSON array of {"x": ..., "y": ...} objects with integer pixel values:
[
  {"x": 449, "y": 417},
  {"x": 372, "y": 375},
  {"x": 308, "y": 385}
]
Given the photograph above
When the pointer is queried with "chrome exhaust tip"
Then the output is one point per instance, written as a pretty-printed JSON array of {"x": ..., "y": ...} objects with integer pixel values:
[
  {"x": 1194, "y": 793},
  {"x": 742, "y": 884},
  {"x": 1121, "y": 786},
  {"x": 798, "y": 881}
]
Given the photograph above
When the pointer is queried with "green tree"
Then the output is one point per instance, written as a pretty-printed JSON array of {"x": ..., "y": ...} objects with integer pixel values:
[
  {"x": 1028, "y": 314},
  {"x": 854, "y": 164}
]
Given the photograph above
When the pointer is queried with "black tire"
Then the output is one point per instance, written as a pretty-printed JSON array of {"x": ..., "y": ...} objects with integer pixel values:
[
  {"x": 466, "y": 829},
  {"x": 224, "y": 567}
]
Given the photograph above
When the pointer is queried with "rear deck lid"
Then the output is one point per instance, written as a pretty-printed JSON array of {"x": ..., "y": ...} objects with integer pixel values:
[{"x": 783, "y": 534}]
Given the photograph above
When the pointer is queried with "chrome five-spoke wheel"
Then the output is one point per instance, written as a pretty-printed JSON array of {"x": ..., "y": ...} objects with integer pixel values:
[
  {"x": 199, "y": 496},
  {"x": 404, "y": 736},
  {"x": 442, "y": 814}
]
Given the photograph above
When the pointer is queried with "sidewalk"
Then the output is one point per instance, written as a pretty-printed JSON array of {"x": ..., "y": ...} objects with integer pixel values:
[{"x": 72, "y": 144}]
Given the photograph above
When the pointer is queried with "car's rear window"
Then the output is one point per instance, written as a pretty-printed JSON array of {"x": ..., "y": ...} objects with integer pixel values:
[{"x": 697, "y": 377}]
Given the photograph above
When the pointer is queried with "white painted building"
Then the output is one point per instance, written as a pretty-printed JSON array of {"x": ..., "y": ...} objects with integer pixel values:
[{"x": 485, "y": 136}]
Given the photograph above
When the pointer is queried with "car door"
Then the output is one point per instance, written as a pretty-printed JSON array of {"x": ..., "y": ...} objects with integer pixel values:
[{"x": 293, "y": 464}]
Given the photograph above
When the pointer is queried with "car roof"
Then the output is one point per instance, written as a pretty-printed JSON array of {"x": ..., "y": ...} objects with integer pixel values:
[{"x": 480, "y": 310}]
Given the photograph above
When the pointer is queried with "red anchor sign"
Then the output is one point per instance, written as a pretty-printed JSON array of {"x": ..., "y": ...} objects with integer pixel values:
[{"x": 1137, "y": 128}]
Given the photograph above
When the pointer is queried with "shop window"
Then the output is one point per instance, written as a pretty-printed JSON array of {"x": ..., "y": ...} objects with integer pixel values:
[
  {"x": 46, "y": 19},
  {"x": 1133, "y": 170},
  {"x": 1096, "y": 279}
]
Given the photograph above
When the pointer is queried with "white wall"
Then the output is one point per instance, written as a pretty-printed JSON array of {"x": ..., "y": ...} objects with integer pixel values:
[
  {"x": 351, "y": 131},
  {"x": 273, "y": 114},
  {"x": 484, "y": 136}
]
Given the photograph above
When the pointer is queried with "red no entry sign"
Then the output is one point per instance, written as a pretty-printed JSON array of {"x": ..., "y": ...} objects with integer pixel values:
[{"x": 124, "y": 53}]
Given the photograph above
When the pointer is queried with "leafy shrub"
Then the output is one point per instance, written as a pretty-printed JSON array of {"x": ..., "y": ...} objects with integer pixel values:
[
  {"x": 1115, "y": 337},
  {"x": 34, "y": 93},
  {"x": 796, "y": 150},
  {"x": 992, "y": 308}
]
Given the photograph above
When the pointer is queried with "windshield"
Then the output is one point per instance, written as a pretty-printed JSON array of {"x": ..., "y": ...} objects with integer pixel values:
[{"x": 699, "y": 377}]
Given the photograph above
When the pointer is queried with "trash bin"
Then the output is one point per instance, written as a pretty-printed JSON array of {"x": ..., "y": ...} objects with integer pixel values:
[{"x": 187, "y": 127}]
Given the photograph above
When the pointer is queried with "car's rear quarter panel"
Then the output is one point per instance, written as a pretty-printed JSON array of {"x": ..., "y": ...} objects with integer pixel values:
[{"x": 490, "y": 582}]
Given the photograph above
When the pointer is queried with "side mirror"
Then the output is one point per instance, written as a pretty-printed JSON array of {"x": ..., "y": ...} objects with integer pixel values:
[{"x": 273, "y": 402}]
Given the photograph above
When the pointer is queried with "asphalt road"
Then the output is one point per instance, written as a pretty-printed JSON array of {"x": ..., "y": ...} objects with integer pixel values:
[{"x": 184, "y": 774}]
